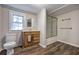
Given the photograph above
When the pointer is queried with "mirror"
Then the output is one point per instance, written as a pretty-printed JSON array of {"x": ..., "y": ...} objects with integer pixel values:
[{"x": 29, "y": 24}]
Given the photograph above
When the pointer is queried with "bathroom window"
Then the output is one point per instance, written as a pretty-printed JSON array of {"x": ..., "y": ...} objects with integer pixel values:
[
  {"x": 16, "y": 20},
  {"x": 17, "y": 23}
]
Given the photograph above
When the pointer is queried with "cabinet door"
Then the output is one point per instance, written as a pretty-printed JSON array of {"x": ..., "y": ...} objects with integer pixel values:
[
  {"x": 36, "y": 37},
  {"x": 25, "y": 39}
]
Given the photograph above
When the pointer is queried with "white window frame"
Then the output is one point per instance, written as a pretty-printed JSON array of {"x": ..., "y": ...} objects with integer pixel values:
[{"x": 11, "y": 13}]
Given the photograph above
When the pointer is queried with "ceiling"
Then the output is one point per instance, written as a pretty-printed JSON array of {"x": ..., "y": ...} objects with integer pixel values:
[
  {"x": 35, "y": 8},
  {"x": 65, "y": 9},
  {"x": 52, "y": 9}
]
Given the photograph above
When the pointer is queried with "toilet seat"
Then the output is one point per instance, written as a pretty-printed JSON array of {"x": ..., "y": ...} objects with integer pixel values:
[{"x": 9, "y": 45}]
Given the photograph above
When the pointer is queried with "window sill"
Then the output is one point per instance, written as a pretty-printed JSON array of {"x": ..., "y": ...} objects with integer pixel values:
[{"x": 15, "y": 30}]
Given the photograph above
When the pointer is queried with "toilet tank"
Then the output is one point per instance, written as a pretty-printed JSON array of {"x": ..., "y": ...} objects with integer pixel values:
[{"x": 10, "y": 37}]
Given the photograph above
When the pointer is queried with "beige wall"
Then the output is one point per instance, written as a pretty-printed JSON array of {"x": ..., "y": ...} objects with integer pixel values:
[
  {"x": 0, "y": 25},
  {"x": 70, "y": 36},
  {"x": 5, "y": 18},
  {"x": 4, "y": 24}
]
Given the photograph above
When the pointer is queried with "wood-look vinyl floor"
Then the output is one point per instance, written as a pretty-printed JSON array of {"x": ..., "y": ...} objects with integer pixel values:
[{"x": 57, "y": 48}]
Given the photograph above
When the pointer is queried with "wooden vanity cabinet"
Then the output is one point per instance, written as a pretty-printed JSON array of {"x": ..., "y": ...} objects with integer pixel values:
[{"x": 35, "y": 38}]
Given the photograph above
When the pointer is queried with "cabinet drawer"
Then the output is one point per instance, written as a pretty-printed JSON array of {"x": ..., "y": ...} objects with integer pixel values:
[
  {"x": 36, "y": 41},
  {"x": 35, "y": 32},
  {"x": 36, "y": 38},
  {"x": 36, "y": 35},
  {"x": 26, "y": 33}
]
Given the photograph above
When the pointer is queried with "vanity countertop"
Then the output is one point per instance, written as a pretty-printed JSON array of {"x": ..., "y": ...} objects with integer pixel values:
[{"x": 29, "y": 29}]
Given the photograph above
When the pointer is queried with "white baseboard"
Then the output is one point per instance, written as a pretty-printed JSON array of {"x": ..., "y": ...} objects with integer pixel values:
[
  {"x": 44, "y": 46},
  {"x": 69, "y": 43},
  {"x": 51, "y": 40}
]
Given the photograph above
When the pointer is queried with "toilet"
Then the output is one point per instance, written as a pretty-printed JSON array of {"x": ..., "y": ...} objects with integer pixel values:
[{"x": 10, "y": 43}]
